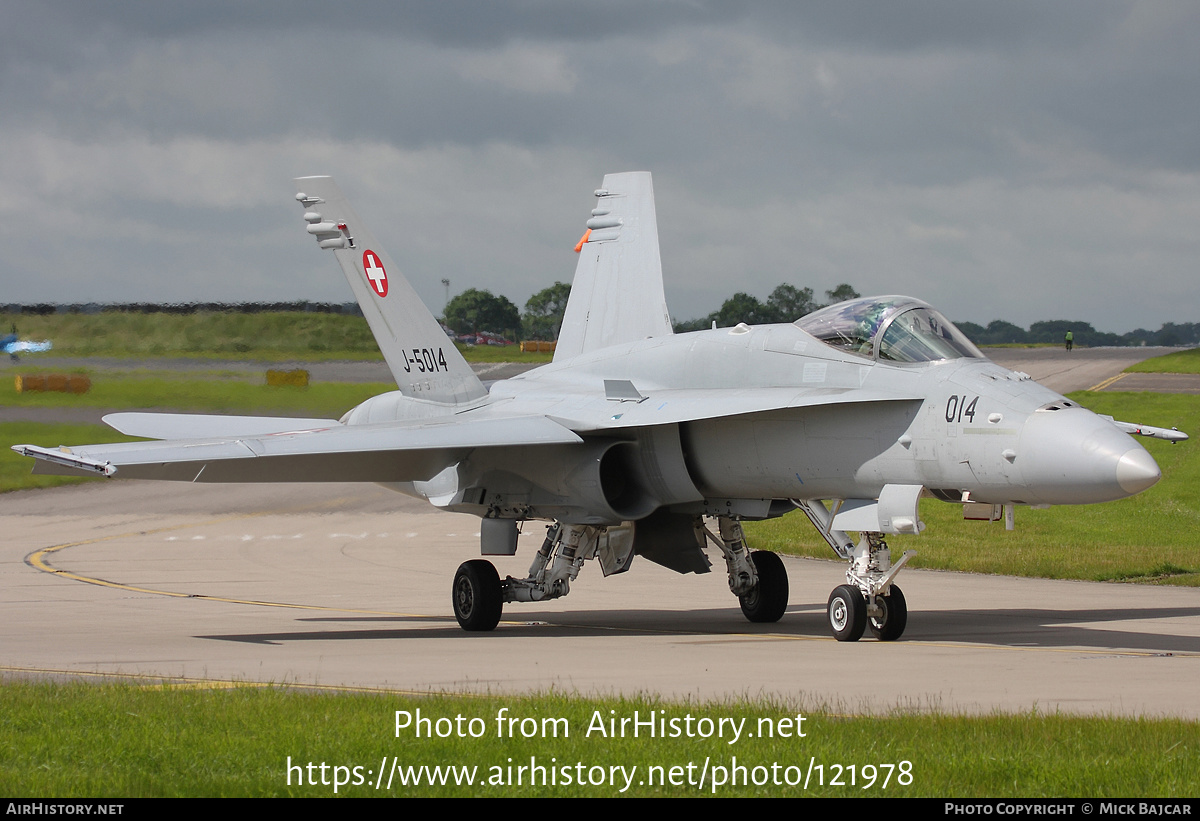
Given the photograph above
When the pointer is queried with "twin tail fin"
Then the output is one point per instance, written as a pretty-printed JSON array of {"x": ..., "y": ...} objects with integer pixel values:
[{"x": 421, "y": 357}]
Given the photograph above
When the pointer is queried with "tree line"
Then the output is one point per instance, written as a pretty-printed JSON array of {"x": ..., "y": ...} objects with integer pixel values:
[
  {"x": 787, "y": 303},
  {"x": 475, "y": 310},
  {"x": 999, "y": 332}
]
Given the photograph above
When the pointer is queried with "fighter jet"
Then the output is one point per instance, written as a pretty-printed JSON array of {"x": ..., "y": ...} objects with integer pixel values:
[{"x": 638, "y": 442}]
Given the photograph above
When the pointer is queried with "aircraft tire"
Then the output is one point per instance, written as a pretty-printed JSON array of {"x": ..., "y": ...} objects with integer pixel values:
[
  {"x": 767, "y": 602},
  {"x": 895, "y": 616},
  {"x": 476, "y": 596},
  {"x": 847, "y": 611}
]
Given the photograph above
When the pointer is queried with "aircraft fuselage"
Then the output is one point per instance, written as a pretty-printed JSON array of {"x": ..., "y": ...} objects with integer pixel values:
[{"x": 846, "y": 427}]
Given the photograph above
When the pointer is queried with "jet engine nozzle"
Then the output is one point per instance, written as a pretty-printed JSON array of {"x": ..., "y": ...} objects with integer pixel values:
[{"x": 1072, "y": 456}]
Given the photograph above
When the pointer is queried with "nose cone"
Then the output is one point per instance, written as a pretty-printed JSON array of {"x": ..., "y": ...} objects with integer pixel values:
[
  {"x": 1071, "y": 457},
  {"x": 1137, "y": 470}
]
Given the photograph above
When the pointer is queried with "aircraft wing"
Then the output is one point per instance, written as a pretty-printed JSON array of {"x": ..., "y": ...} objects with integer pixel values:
[
  {"x": 385, "y": 452},
  {"x": 1133, "y": 428}
]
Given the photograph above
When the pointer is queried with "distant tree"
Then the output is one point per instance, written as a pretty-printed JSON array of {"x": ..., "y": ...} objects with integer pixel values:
[
  {"x": 1000, "y": 332},
  {"x": 1182, "y": 333},
  {"x": 974, "y": 331},
  {"x": 741, "y": 307},
  {"x": 841, "y": 293},
  {"x": 544, "y": 312},
  {"x": 474, "y": 310},
  {"x": 1140, "y": 336},
  {"x": 787, "y": 303},
  {"x": 1053, "y": 331}
]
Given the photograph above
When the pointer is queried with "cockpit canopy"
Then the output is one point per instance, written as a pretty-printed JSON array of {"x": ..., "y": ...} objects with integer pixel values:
[{"x": 891, "y": 328}]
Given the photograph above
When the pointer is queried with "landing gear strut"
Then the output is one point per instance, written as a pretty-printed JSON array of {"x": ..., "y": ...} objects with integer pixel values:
[
  {"x": 479, "y": 595},
  {"x": 758, "y": 579}
]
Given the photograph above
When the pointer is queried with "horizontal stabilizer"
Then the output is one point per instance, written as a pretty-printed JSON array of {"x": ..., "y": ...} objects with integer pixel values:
[{"x": 204, "y": 426}]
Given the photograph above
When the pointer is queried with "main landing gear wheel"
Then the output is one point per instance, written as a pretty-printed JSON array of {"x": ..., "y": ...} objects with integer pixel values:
[
  {"x": 890, "y": 624},
  {"x": 847, "y": 613},
  {"x": 769, "y": 598},
  {"x": 476, "y": 596}
]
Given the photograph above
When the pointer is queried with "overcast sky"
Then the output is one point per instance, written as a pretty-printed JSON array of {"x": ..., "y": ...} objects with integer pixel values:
[{"x": 1009, "y": 160}]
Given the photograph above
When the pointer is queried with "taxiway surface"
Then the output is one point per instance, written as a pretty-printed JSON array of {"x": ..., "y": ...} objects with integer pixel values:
[{"x": 349, "y": 586}]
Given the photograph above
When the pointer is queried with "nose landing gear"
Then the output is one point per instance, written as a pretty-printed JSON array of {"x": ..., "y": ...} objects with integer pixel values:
[{"x": 869, "y": 598}]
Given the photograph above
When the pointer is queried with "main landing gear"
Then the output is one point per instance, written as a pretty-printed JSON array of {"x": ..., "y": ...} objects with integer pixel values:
[
  {"x": 479, "y": 595},
  {"x": 478, "y": 601},
  {"x": 758, "y": 578}
]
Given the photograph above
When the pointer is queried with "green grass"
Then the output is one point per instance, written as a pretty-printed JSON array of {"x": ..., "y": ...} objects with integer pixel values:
[
  {"x": 78, "y": 740},
  {"x": 230, "y": 394},
  {"x": 267, "y": 336},
  {"x": 493, "y": 353},
  {"x": 1150, "y": 537},
  {"x": 1187, "y": 361},
  {"x": 214, "y": 394}
]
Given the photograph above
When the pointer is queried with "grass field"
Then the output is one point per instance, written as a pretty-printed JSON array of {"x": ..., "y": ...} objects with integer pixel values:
[
  {"x": 267, "y": 336},
  {"x": 201, "y": 394},
  {"x": 78, "y": 740},
  {"x": 1187, "y": 361}
]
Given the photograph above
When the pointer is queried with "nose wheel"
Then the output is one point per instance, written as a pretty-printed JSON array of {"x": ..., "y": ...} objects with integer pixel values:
[
  {"x": 849, "y": 616},
  {"x": 847, "y": 610},
  {"x": 892, "y": 618}
]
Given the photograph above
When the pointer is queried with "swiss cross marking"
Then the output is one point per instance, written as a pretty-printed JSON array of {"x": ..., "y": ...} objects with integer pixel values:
[{"x": 375, "y": 273}]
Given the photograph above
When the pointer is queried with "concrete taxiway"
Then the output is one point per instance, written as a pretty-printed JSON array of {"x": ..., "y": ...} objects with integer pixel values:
[{"x": 349, "y": 586}]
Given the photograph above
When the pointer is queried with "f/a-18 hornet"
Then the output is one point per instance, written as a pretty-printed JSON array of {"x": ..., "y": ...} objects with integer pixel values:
[{"x": 636, "y": 441}]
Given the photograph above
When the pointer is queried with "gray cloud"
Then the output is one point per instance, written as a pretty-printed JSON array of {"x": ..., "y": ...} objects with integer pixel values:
[{"x": 1014, "y": 160}]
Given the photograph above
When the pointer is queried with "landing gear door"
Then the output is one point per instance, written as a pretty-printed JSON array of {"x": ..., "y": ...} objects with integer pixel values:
[
  {"x": 614, "y": 549},
  {"x": 894, "y": 512}
]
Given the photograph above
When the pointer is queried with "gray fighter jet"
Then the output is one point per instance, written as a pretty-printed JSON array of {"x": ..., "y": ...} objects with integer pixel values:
[{"x": 636, "y": 441}]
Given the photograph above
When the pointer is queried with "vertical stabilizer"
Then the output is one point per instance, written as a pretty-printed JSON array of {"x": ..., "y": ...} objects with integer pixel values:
[
  {"x": 617, "y": 295},
  {"x": 423, "y": 360}
]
